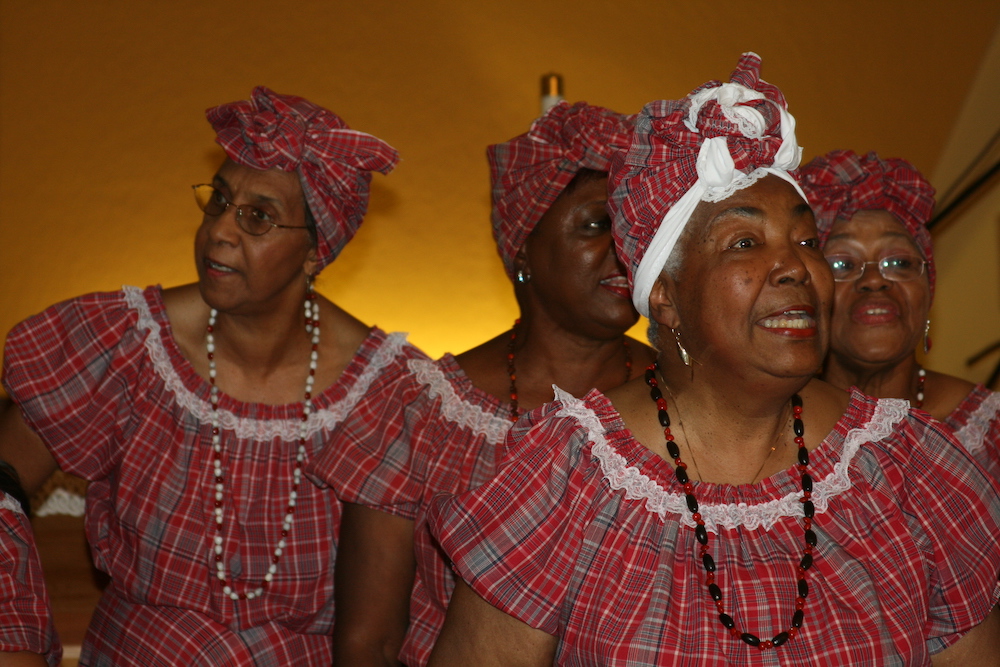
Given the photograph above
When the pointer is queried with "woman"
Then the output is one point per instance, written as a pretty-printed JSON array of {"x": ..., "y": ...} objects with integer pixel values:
[
  {"x": 730, "y": 509},
  {"x": 872, "y": 216},
  {"x": 440, "y": 427},
  {"x": 193, "y": 410},
  {"x": 27, "y": 636}
]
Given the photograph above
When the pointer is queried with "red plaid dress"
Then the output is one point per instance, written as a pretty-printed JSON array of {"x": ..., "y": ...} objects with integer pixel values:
[
  {"x": 976, "y": 422},
  {"x": 423, "y": 431},
  {"x": 103, "y": 382},
  {"x": 25, "y": 613},
  {"x": 584, "y": 534}
]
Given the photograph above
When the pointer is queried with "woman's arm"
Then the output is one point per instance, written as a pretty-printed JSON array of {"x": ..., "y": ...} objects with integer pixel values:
[
  {"x": 22, "y": 448},
  {"x": 373, "y": 581},
  {"x": 476, "y": 633},
  {"x": 21, "y": 659},
  {"x": 980, "y": 646}
]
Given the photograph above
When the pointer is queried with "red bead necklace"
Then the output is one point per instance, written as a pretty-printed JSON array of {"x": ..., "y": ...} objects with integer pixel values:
[
  {"x": 512, "y": 372},
  {"x": 701, "y": 533},
  {"x": 921, "y": 381}
]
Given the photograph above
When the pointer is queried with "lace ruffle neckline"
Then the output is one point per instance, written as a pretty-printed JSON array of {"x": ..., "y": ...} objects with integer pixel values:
[
  {"x": 9, "y": 503},
  {"x": 637, "y": 486},
  {"x": 445, "y": 379},
  {"x": 324, "y": 416},
  {"x": 973, "y": 434}
]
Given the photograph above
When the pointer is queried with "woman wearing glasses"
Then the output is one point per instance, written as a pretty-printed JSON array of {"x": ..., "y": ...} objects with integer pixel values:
[
  {"x": 193, "y": 410},
  {"x": 872, "y": 215}
]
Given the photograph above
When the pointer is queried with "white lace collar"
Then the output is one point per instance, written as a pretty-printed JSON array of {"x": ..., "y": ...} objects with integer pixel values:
[
  {"x": 454, "y": 407},
  {"x": 637, "y": 486},
  {"x": 973, "y": 434},
  {"x": 322, "y": 419},
  {"x": 9, "y": 503}
]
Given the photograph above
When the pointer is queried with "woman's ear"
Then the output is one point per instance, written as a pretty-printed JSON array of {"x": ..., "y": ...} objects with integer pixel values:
[
  {"x": 663, "y": 302},
  {"x": 309, "y": 267},
  {"x": 521, "y": 270}
]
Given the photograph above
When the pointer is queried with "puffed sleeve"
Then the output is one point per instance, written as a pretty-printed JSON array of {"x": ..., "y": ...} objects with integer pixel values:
[
  {"x": 71, "y": 371},
  {"x": 25, "y": 612},
  {"x": 954, "y": 512},
  {"x": 515, "y": 539},
  {"x": 368, "y": 459}
]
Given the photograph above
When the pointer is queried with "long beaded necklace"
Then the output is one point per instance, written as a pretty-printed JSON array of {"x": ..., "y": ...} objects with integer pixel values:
[
  {"x": 312, "y": 327},
  {"x": 921, "y": 381},
  {"x": 701, "y": 533},
  {"x": 512, "y": 371}
]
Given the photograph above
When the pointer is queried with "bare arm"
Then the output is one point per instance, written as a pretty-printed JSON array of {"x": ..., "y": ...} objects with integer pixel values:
[
  {"x": 477, "y": 633},
  {"x": 21, "y": 659},
  {"x": 373, "y": 581},
  {"x": 980, "y": 646},
  {"x": 22, "y": 448}
]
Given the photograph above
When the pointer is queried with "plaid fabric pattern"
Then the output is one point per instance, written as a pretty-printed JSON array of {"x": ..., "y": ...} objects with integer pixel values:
[
  {"x": 907, "y": 558},
  {"x": 976, "y": 423},
  {"x": 661, "y": 164},
  {"x": 530, "y": 171},
  {"x": 334, "y": 162},
  {"x": 841, "y": 183},
  {"x": 423, "y": 429},
  {"x": 102, "y": 381},
  {"x": 25, "y": 613}
]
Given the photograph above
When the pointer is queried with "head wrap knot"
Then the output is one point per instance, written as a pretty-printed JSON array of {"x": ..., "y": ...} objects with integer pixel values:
[
  {"x": 721, "y": 138},
  {"x": 841, "y": 183},
  {"x": 530, "y": 171},
  {"x": 333, "y": 162}
]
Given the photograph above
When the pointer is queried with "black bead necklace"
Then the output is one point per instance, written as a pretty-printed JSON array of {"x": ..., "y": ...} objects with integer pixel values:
[{"x": 701, "y": 533}]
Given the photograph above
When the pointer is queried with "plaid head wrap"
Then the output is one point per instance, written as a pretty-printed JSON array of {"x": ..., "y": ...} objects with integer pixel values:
[
  {"x": 721, "y": 138},
  {"x": 841, "y": 183},
  {"x": 334, "y": 162},
  {"x": 530, "y": 171}
]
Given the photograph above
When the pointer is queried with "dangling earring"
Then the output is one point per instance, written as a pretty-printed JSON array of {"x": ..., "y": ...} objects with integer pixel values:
[
  {"x": 927, "y": 336},
  {"x": 685, "y": 357},
  {"x": 522, "y": 276}
]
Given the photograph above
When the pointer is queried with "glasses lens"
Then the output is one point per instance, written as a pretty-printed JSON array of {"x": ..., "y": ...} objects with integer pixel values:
[
  {"x": 210, "y": 200},
  {"x": 844, "y": 267},
  {"x": 901, "y": 267},
  {"x": 253, "y": 220}
]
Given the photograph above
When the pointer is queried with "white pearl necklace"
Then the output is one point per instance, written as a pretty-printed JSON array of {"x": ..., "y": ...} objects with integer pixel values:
[{"x": 312, "y": 327}]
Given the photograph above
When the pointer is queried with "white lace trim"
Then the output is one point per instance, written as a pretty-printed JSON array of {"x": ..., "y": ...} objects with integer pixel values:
[
  {"x": 973, "y": 434},
  {"x": 637, "y": 486},
  {"x": 739, "y": 182},
  {"x": 9, "y": 503},
  {"x": 244, "y": 427},
  {"x": 454, "y": 407},
  {"x": 63, "y": 502}
]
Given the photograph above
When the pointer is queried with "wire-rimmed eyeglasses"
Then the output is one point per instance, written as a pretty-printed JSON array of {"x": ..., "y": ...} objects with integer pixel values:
[
  {"x": 897, "y": 268},
  {"x": 251, "y": 219}
]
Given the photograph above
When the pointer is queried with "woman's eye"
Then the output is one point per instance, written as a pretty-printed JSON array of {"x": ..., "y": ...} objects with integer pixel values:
[
  {"x": 262, "y": 216},
  {"x": 599, "y": 224},
  {"x": 811, "y": 243},
  {"x": 219, "y": 198},
  {"x": 840, "y": 264},
  {"x": 744, "y": 244}
]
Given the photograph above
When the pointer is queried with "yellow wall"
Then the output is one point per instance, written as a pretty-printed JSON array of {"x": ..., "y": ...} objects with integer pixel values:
[{"x": 102, "y": 129}]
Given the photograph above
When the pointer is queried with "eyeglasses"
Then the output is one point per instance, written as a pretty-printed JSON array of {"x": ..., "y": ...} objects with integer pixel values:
[
  {"x": 897, "y": 268},
  {"x": 251, "y": 219}
]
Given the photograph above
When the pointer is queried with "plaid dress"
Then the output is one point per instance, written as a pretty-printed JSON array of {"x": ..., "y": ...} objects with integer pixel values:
[
  {"x": 25, "y": 613},
  {"x": 422, "y": 431},
  {"x": 103, "y": 382},
  {"x": 584, "y": 534},
  {"x": 976, "y": 422}
]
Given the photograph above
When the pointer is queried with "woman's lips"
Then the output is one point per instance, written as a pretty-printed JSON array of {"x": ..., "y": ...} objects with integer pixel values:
[
  {"x": 216, "y": 269},
  {"x": 794, "y": 322},
  {"x": 617, "y": 284},
  {"x": 875, "y": 312}
]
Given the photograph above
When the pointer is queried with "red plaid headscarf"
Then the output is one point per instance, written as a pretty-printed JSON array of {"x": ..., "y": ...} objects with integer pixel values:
[
  {"x": 841, "y": 183},
  {"x": 719, "y": 139},
  {"x": 530, "y": 171},
  {"x": 334, "y": 162}
]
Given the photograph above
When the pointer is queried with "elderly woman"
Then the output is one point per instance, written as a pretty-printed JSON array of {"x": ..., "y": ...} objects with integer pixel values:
[
  {"x": 193, "y": 410},
  {"x": 736, "y": 510},
  {"x": 872, "y": 216},
  {"x": 440, "y": 427},
  {"x": 27, "y": 635}
]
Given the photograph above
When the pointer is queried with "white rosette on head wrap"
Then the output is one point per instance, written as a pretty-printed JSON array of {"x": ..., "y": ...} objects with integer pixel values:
[{"x": 721, "y": 138}]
